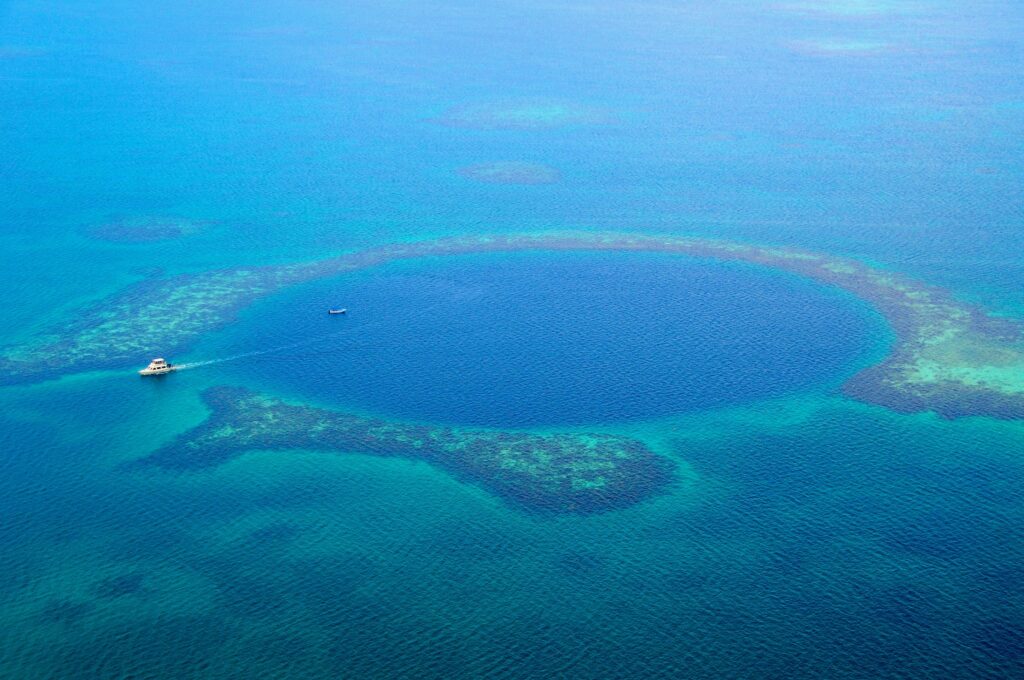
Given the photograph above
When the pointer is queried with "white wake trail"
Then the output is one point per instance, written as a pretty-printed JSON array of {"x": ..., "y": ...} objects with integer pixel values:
[
  {"x": 293, "y": 345},
  {"x": 271, "y": 350}
]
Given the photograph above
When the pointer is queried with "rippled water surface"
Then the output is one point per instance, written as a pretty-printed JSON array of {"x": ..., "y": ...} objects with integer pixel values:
[
  {"x": 623, "y": 337},
  {"x": 803, "y": 534}
]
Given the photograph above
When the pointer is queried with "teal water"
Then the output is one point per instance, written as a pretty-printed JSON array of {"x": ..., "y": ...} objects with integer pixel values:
[{"x": 805, "y": 535}]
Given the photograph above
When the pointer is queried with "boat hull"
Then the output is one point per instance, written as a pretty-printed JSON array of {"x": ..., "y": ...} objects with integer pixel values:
[{"x": 156, "y": 371}]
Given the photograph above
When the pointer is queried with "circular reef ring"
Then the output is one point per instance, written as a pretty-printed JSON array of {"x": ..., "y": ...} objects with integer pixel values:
[{"x": 949, "y": 357}]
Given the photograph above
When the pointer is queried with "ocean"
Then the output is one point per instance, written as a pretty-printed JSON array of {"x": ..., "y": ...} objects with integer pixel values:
[{"x": 786, "y": 530}]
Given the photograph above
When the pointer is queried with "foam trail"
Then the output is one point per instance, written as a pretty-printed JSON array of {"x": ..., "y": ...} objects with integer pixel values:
[
  {"x": 243, "y": 355},
  {"x": 292, "y": 345}
]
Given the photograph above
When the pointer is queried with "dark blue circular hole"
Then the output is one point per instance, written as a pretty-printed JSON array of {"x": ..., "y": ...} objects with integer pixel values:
[{"x": 555, "y": 339}]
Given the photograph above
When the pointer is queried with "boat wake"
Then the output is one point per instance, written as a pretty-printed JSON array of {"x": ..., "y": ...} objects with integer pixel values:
[
  {"x": 296, "y": 345},
  {"x": 256, "y": 353}
]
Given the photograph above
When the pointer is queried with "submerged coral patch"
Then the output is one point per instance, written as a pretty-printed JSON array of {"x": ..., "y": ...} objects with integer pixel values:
[
  {"x": 165, "y": 313},
  {"x": 510, "y": 172},
  {"x": 949, "y": 356},
  {"x": 839, "y": 47},
  {"x": 145, "y": 230},
  {"x": 551, "y": 473},
  {"x": 522, "y": 114},
  {"x": 850, "y": 9},
  {"x": 20, "y": 52},
  {"x": 132, "y": 583},
  {"x": 65, "y": 612}
]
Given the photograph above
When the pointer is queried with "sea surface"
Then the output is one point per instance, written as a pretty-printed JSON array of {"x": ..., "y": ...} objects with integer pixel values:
[{"x": 804, "y": 534}]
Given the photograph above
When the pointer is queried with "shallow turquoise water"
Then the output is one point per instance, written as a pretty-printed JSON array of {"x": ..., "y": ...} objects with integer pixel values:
[{"x": 805, "y": 535}]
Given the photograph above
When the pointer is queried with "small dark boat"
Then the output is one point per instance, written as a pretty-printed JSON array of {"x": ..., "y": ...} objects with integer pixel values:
[{"x": 337, "y": 311}]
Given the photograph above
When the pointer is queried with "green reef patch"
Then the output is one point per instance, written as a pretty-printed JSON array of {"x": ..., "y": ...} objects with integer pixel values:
[
  {"x": 522, "y": 114},
  {"x": 850, "y": 9},
  {"x": 840, "y": 47},
  {"x": 949, "y": 356},
  {"x": 130, "y": 325},
  {"x": 562, "y": 473},
  {"x": 510, "y": 172},
  {"x": 143, "y": 230}
]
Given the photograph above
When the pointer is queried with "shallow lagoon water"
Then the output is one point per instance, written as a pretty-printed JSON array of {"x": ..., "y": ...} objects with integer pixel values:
[{"x": 805, "y": 535}]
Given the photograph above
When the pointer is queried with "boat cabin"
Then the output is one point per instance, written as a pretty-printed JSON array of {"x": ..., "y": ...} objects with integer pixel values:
[{"x": 156, "y": 367}]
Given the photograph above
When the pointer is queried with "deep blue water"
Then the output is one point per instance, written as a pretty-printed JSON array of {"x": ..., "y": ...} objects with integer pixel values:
[
  {"x": 805, "y": 535},
  {"x": 624, "y": 337}
]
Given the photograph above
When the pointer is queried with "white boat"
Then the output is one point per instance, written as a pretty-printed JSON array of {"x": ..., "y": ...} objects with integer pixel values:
[
  {"x": 337, "y": 311},
  {"x": 158, "y": 366}
]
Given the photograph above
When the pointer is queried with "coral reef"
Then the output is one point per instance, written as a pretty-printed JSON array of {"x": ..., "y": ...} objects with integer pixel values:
[
  {"x": 510, "y": 172},
  {"x": 849, "y": 9},
  {"x": 949, "y": 356},
  {"x": 146, "y": 230},
  {"x": 839, "y": 47},
  {"x": 522, "y": 114},
  {"x": 548, "y": 474},
  {"x": 155, "y": 313}
]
